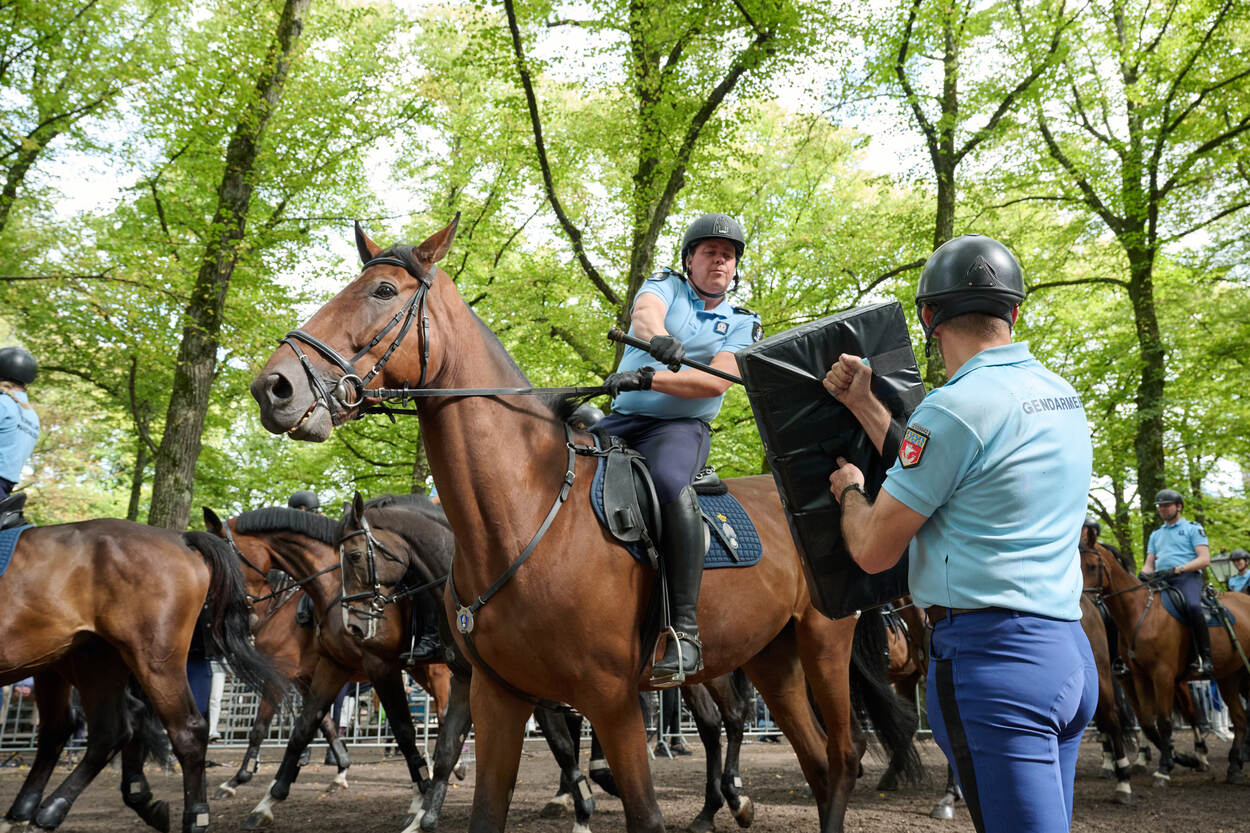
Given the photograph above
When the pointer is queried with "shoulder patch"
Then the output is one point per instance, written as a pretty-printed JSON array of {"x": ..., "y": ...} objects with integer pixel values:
[
  {"x": 915, "y": 440},
  {"x": 757, "y": 331},
  {"x": 1201, "y": 531}
]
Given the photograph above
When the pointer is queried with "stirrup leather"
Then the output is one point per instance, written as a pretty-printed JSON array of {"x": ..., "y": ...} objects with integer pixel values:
[{"x": 677, "y": 677}]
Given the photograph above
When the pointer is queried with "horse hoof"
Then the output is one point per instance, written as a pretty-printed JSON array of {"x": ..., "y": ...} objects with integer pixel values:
[
  {"x": 339, "y": 782},
  {"x": 1124, "y": 798},
  {"x": 888, "y": 783},
  {"x": 1160, "y": 780},
  {"x": 255, "y": 821},
  {"x": 700, "y": 825},
  {"x": 1106, "y": 774},
  {"x": 460, "y": 771},
  {"x": 557, "y": 807},
  {"x": 943, "y": 812},
  {"x": 1235, "y": 778},
  {"x": 745, "y": 814},
  {"x": 224, "y": 791}
]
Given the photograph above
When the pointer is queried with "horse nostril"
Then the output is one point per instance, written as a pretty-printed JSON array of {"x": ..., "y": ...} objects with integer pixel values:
[
  {"x": 355, "y": 631},
  {"x": 279, "y": 387}
]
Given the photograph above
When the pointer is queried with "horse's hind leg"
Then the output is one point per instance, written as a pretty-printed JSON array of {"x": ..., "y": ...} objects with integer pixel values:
[
  {"x": 600, "y": 772},
  {"x": 453, "y": 728},
  {"x": 736, "y": 702},
  {"x": 108, "y": 721},
  {"x": 251, "y": 758},
  {"x": 389, "y": 687},
  {"x": 707, "y": 721},
  {"x": 171, "y": 699},
  {"x": 136, "y": 793},
  {"x": 1237, "y": 717},
  {"x": 56, "y": 724}
]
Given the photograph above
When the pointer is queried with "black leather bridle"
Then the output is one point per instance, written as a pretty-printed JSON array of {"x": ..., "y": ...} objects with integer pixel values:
[
  {"x": 349, "y": 392},
  {"x": 377, "y": 599}
]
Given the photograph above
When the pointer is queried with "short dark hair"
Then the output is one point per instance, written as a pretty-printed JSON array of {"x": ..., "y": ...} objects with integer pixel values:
[{"x": 977, "y": 325}]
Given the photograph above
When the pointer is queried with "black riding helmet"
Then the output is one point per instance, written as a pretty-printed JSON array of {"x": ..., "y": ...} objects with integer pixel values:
[
  {"x": 584, "y": 416},
  {"x": 1239, "y": 555},
  {"x": 18, "y": 365},
  {"x": 304, "y": 499},
  {"x": 1169, "y": 496},
  {"x": 719, "y": 226},
  {"x": 971, "y": 273},
  {"x": 1092, "y": 523}
]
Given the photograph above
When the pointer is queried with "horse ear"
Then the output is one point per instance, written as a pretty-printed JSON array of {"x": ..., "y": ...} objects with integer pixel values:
[
  {"x": 358, "y": 507},
  {"x": 434, "y": 249},
  {"x": 365, "y": 247},
  {"x": 211, "y": 522}
]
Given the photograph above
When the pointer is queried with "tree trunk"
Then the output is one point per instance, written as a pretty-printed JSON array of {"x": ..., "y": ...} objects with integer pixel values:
[
  {"x": 1123, "y": 522},
  {"x": 136, "y": 481},
  {"x": 1148, "y": 444},
  {"x": 197, "y": 356},
  {"x": 420, "y": 471}
]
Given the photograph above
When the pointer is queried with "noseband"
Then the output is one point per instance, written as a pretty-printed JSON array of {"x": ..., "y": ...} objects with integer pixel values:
[
  {"x": 377, "y": 599},
  {"x": 349, "y": 392}
]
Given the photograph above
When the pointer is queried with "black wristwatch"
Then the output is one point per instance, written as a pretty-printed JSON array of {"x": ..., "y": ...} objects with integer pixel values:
[{"x": 853, "y": 487}]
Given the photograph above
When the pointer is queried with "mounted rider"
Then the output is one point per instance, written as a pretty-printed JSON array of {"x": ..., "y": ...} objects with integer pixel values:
[
  {"x": 1178, "y": 552},
  {"x": 1240, "y": 580},
  {"x": 304, "y": 500},
  {"x": 1090, "y": 531},
  {"x": 663, "y": 410},
  {"x": 19, "y": 424}
]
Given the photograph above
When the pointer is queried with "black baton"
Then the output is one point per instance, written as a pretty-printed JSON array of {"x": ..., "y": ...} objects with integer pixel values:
[{"x": 616, "y": 334}]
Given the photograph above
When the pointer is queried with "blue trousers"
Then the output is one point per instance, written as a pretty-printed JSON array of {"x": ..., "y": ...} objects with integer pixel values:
[
  {"x": 675, "y": 448},
  {"x": 1009, "y": 695},
  {"x": 1190, "y": 585}
]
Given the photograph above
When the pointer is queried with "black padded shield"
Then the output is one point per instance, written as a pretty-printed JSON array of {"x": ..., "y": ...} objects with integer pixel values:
[{"x": 805, "y": 430}]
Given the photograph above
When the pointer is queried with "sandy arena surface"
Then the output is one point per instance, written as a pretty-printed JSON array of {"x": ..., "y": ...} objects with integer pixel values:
[{"x": 377, "y": 797}]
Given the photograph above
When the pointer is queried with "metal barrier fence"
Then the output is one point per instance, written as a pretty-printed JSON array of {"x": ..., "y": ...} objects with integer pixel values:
[{"x": 361, "y": 720}]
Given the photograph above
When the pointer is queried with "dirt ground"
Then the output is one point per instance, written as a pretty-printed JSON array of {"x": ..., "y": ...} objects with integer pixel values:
[{"x": 377, "y": 798}]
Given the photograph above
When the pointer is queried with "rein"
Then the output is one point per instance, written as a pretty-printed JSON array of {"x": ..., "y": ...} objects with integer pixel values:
[{"x": 295, "y": 584}]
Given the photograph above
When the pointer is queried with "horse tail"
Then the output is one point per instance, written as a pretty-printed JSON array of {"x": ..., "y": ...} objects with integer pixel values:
[
  {"x": 147, "y": 726},
  {"x": 893, "y": 721},
  {"x": 229, "y": 632}
]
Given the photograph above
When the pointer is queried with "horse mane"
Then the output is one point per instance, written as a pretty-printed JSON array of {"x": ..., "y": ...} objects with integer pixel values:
[
  {"x": 1119, "y": 556},
  {"x": 282, "y": 519},
  {"x": 420, "y": 522}
]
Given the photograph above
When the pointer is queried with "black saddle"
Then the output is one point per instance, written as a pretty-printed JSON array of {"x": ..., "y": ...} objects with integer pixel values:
[
  {"x": 11, "y": 510},
  {"x": 708, "y": 482}
]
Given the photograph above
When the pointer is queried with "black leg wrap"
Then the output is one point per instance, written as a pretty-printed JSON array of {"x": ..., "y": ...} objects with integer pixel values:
[
  {"x": 52, "y": 813},
  {"x": 24, "y": 806},
  {"x": 582, "y": 797},
  {"x": 195, "y": 818},
  {"x": 251, "y": 762},
  {"x": 136, "y": 793},
  {"x": 338, "y": 750},
  {"x": 419, "y": 771}
]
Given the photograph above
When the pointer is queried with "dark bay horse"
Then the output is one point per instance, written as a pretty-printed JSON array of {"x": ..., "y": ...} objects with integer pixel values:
[
  {"x": 302, "y": 544},
  {"x": 1156, "y": 648},
  {"x": 567, "y": 626},
  {"x": 293, "y": 649},
  {"x": 89, "y": 604},
  {"x": 382, "y": 555}
]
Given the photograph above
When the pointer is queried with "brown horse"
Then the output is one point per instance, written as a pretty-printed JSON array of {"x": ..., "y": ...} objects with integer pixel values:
[
  {"x": 88, "y": 605},
  {"x": 302, "y": 544},
  {"x": 293, "y": 649},
  {"x": 569, "y": 624},
  {"x": 1156, "y": 648}
]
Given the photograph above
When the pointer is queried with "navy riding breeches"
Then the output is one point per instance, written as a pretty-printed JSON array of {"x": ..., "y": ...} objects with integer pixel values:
[
  {"x": 1009, "y": 695},
  {"x": 675, "y": 448},
  {"x": 1190, "y": 585}
]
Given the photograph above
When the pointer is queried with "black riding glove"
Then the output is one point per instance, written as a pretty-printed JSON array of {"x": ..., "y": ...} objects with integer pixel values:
[
  {"x": 669, "y": 350},
  {"x": 627, "y": 380}
]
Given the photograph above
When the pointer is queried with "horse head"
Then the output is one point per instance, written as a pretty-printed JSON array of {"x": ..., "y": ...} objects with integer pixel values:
[
  {"x": 320, "y": 375},
  {"x": 389, "y": 548}
]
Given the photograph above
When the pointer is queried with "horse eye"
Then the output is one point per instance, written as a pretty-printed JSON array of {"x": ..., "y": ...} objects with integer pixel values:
[{"x": 385, "y": 291}]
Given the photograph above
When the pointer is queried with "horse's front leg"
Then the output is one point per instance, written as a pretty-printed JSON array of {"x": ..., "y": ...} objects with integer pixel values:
[
  {"x": 499, "y": 725},
  {"x": 389, "y": 687},
  {"x": 453, "y": 727},
  {"x": 707, "y": 720},
  {"x": 620, "y": 729}
]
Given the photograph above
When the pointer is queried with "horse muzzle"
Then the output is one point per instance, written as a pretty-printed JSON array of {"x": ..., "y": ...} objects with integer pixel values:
[{"x": 289, "y": 406}]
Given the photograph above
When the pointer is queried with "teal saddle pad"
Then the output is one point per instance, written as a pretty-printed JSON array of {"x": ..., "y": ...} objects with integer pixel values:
[
  {"x": 724, "y": 511},
  {"x": 1174, "y": 604},
  {"x": 8, "y": 543}
]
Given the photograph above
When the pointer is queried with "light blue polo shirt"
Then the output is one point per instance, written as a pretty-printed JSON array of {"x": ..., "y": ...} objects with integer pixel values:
[
  {"x": 1173, "y": 544},
  {"x": 704, "y": 332},
  {"x": 999, "y": 461},
  {"x": 19, "y": 428},
  {"x": 1238, "y": 583}
]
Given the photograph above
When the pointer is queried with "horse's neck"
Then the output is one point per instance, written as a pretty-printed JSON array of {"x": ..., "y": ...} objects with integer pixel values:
[
  {"x": 498, "y": 462},
  {"x": 1127, "y": 603},
  {"x": 309, "y": 557}
]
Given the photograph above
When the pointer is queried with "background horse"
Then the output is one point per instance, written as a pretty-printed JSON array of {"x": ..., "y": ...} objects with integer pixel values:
[
  {"x": 1156, "y": 648},
  {"x": 383, "y": 542},
  {"x": 87, "y": 605},
  {"x": 302, "y": 544},
  {"x": 572, "y": 623},
  {"x": 293, "y": 648}
]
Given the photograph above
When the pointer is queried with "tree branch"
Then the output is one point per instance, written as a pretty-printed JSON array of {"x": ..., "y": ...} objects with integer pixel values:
[{"x": 141, "y": 421}]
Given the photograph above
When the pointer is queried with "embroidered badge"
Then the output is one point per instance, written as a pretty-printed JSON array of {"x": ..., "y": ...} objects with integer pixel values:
[
  {"x": 757, "y": 331},
  {"x": 914, "y": 441},
  {"x": 722, "y": 327}
]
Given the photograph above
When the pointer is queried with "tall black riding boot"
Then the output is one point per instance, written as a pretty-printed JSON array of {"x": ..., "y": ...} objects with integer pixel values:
[
  {"x": 1202, "y": 665},
  {"x": 425, "y": 647},
  {"x": 683, "y": 545}
]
